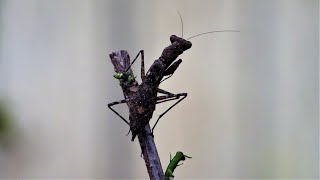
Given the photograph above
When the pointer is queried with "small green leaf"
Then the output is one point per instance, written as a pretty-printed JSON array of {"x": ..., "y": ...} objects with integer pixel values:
[{"x": 118, "y": 76}]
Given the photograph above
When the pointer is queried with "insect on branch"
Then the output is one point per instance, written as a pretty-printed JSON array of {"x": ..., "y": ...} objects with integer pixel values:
[{"x": 142, "y": 98}]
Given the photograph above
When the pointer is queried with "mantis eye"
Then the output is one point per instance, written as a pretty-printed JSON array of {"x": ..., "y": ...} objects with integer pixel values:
[{"x": 118, "y": 76}]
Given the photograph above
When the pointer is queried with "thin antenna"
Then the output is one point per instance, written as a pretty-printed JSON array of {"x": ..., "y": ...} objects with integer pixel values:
[
  {"x": 181, "y": 22},
  {"x": 212, "y": 32}
]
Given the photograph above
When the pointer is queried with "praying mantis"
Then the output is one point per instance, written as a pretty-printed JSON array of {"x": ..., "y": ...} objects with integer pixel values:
[{"x": 142, "y": 98}]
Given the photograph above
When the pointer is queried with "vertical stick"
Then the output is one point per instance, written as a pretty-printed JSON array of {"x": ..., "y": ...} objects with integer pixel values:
[
  {"x": 121, "y": 61},
  {"x": 150, "y": 154}
]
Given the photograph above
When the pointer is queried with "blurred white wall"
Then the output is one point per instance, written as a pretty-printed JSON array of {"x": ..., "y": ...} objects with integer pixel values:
[{"x": 253, "y": 97}]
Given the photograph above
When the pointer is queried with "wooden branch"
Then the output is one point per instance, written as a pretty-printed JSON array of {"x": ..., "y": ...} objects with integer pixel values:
[
  {"x": 150, "y": 154},
  {"x": 141, "y": 99}
]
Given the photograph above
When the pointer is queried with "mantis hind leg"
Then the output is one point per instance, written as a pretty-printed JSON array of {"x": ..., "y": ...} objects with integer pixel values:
[
  {"x": 164, "y": 92},
  {"x": 116, "y": 103},
  {"x": 168, "y": 97},
  {"x": 122, "y": 118}
]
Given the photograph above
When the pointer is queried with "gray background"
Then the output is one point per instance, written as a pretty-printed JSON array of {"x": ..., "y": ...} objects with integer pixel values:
[{"x": 252, "y": 109}]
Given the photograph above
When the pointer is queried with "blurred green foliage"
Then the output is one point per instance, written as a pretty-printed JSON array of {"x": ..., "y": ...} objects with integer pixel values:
[
  {"x": 4, "y": 118},
  {"x": 5, "y": 122}
]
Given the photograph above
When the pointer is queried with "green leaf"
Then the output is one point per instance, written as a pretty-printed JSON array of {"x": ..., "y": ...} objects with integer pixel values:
[{"x": 174, "y": 163}]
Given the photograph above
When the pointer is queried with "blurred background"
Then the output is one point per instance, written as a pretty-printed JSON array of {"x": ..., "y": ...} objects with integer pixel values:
[{"x": 253, "y": 97}]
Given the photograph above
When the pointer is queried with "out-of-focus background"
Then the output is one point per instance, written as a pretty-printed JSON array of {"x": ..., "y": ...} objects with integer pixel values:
[{"x": 253, "y": 104}]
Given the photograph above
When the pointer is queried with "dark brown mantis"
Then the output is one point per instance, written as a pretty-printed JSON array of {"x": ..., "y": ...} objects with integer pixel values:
[
  {"x": 142, "y": 98},
  {"x": 144, "y": 101}
]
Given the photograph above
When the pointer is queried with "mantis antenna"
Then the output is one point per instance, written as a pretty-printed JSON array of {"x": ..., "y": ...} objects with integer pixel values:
[
  {"x": 212, "y": 32},
  {"x": 209, "y": 32},
  {"x": 181, "y": 23}
]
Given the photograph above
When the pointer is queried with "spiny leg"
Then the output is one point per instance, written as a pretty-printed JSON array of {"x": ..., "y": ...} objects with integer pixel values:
[
  {"x": 142, "y": 64},
  {"x": 162, "y": 99},
  {"x": 116, "y": 103}
]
